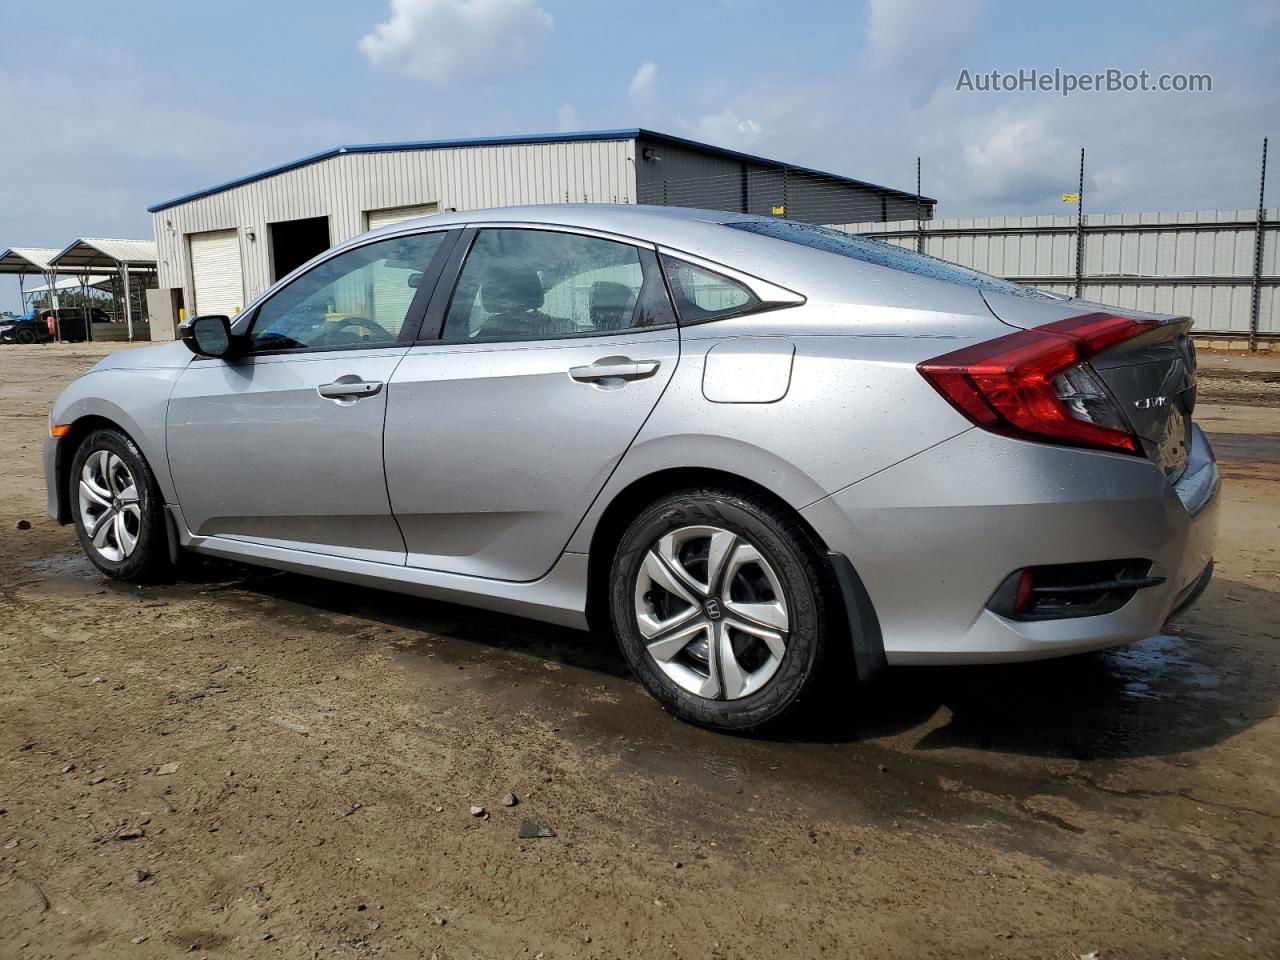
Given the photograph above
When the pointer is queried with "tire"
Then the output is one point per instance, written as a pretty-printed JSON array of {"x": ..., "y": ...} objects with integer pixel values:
[
  {"x": 26, "y": 336},
  {"x": 120, "y": 524},
  {"x": 724, "y": 677}
]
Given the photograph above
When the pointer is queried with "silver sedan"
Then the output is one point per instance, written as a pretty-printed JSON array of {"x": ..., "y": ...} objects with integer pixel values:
[{"x": 766, "y": 455}]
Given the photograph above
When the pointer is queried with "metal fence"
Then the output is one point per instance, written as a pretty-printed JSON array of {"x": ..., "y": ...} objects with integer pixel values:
[{"x": 1204, "y": 263}]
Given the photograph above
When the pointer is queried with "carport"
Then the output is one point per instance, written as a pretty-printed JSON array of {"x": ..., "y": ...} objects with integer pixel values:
[
  {"x": 126, "y": 259},
  {"x": 96, "y": 281},
  {"x": 24, "y": 261}
]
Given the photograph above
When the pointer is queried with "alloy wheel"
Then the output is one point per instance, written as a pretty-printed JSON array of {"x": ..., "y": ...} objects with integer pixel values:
[
  {"x": 109, "y": 505},
  {"x": 712, "y": 612}
]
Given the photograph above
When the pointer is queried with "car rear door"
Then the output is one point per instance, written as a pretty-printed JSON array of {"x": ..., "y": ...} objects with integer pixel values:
[
  {"x": 282, "y": 445},
  {"x": 534, "y": 374}
]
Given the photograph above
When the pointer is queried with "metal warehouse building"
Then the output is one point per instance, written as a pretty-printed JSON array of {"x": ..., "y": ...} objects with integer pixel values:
[{"x": 220, "y": 247}]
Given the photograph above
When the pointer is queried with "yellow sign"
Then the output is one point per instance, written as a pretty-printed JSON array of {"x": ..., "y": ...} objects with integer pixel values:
[
  {"x": 779, "y": 211},
  {"x": 1070, "y": 197}
]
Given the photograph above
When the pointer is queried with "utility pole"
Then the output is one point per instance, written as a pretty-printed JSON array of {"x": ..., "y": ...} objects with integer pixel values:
[
  {"x": 919, "y": 221},
  {"x": 1255, "y": 301},
  {"x": 1080, "y": 229}
]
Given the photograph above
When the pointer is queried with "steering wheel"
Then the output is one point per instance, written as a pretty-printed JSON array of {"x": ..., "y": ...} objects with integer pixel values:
[{"x": 353, "y": 325}]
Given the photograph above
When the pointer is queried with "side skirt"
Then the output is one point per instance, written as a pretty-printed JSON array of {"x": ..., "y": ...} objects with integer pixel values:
[{"x": 559, "y": 597}]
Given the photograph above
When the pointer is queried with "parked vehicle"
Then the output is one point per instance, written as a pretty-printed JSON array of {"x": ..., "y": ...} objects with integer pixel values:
[
  {"x": 24, "y": 329},
  {"x": 68, "y": 323},
  {"x": 43, "y": 325},
  {"x": 748, "y": 445}
]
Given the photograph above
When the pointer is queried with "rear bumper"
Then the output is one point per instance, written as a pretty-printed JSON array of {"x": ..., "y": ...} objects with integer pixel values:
[{"x": 934, "y": 536}]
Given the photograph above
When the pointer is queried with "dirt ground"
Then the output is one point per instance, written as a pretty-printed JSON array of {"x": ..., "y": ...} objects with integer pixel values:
[{"x": 246, "y": 763}]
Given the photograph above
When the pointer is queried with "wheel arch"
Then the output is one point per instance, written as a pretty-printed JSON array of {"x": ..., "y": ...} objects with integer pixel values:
[
  {"x": 861, "y": 625},
  {"x": 65, "y": 452},
  {"x": 626, "y": 505}
]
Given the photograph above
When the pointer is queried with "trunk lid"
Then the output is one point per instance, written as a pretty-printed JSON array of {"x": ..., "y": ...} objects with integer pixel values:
[{"x": 1152, "y": 376}]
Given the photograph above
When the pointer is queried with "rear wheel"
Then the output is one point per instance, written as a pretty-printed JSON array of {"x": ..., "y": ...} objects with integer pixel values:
[
  {"x": 117, "y": 507},
  {"x": 720, "y": 601}
]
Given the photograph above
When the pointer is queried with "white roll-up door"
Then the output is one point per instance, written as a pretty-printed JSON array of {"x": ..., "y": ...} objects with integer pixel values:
[
  {"x": 392, "y": 294},
  {"x": 217, "y": 272},
  {"x": 384, "y": 218}
]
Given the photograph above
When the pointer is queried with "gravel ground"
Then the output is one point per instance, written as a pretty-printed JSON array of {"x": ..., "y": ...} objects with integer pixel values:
[{"x": 246, "y": 763}]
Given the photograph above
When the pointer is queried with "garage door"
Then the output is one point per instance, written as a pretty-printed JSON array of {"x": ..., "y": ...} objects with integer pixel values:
[
  {"x": 216, "y": 272},
  {"x": 384, "y": 218},
  {"x": 392, "y": 294}
]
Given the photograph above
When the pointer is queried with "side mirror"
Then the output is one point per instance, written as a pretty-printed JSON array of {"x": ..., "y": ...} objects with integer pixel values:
[{"x": 208, "y": 336}]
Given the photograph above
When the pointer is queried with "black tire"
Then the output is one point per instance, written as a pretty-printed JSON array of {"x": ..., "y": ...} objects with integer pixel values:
[
  {"x": 811, "y": 600},
  {"x": 26, "y": 335},
  {"x": 149, "y": 559}
]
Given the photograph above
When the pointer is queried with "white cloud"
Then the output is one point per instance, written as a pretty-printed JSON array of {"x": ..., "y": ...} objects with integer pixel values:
[
  {"x": 644, "y": 82},
  {"x": 1017, "y": 158},
  {"x": 914, "y": 43},
  {"x": 443, "y": 40},
  {"x": 567, "y": 117},
  {"x": 727, "y": 129}
]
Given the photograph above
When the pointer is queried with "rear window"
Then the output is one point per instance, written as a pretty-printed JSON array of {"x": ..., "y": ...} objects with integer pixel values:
[
  {"x": 881, "y": 254},
  {"x": 704, "y": 294}
]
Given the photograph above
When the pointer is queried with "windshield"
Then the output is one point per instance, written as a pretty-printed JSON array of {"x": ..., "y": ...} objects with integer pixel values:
[{"x": 881, "y": 254}]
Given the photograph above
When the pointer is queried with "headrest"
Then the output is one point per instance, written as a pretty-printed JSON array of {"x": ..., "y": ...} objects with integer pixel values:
[
  {"x": 606, "y": 293},
  {"x": 510, "y": 289}
]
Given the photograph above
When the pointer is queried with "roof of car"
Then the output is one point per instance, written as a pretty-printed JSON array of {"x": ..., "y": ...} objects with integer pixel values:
[
  {"x": 654, "y": 223},
  {"x": 681, "y": 228}
]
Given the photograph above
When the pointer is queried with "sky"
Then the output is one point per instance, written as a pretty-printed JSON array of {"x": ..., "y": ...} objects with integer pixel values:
[{"x": 108, "y": 108}]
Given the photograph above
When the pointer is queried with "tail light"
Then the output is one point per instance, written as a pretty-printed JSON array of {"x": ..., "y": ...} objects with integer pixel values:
[{"x": 1038, "y": 385}]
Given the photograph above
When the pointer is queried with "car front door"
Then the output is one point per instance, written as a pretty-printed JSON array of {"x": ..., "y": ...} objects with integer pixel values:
[
  {"x": 282, "y": 445},
  {"x": 537, "y": 374}
]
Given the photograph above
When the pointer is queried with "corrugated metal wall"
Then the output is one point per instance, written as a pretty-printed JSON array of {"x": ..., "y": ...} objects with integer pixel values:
[
  {"x": 1198, "y": 263},
  {"x": 684, "y": 177},
  {"x": 346, "y": 187}
]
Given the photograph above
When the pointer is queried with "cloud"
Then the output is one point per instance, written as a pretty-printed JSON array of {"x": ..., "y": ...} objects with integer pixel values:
[
  {"x": 643, "y": 84},
  {"x": 567, "y": 117},
  {"x": 727, "y": 129},
  {"x": 1019, "y": 159},
  {"x": 444, "y": 40},
  {"x": 914, "y": 43}
]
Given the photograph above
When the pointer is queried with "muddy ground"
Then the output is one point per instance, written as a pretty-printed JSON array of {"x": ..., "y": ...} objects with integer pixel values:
[{"x": 255, "y": 764}]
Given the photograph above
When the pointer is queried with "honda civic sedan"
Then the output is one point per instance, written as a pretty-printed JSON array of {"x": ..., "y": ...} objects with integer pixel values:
[{"x": 758, "y": 453}]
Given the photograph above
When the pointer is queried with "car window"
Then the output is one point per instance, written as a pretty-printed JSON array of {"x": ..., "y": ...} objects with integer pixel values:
[
  {"x": 357, "y": 298},
  {"x": 702, "y": 294},
  {"x": 881, "y": 254},
  {"x": 540, "y": 283}
]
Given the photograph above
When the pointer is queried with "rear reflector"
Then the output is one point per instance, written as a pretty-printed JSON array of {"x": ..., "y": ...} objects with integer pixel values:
[
  {"x": 1037, "y": 384},
  {"x": 1023, "y": 595},
  {"x": 1066, "y": 590}
]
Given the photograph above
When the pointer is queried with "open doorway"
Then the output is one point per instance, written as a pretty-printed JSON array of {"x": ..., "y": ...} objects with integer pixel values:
[{"x": 294, "y": 242}]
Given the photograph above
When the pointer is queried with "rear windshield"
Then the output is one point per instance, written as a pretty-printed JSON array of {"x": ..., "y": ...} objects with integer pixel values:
[{"x": 881, "y": 254}]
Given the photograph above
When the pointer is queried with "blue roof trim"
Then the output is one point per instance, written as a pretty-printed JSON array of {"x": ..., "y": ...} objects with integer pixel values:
[{"x": 631, "y": 133}]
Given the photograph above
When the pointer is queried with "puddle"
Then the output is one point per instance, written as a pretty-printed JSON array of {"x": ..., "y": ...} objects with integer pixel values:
[{"x": 1162, "y": 668}]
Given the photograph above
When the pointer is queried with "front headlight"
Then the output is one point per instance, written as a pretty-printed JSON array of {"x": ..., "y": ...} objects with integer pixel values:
[{"x": 5, "y": 327}]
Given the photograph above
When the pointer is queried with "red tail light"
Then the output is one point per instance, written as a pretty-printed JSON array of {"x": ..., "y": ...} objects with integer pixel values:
[{"x": 1037, "y": 384}]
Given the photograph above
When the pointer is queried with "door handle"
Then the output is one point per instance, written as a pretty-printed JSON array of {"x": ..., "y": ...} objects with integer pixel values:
[
  {"x": 349, "y": 389},
  {"x": 615, "y": 368}
]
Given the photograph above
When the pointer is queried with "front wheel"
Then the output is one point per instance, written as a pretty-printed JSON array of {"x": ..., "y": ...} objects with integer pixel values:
[
  {"x": 722, "y": 605},
  {"x": 117, "y": 507},
  {"x": 26, "y": 335}
]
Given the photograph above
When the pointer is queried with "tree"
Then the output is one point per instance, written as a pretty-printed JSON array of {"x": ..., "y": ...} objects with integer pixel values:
[{"x": 73, "y": 298}]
